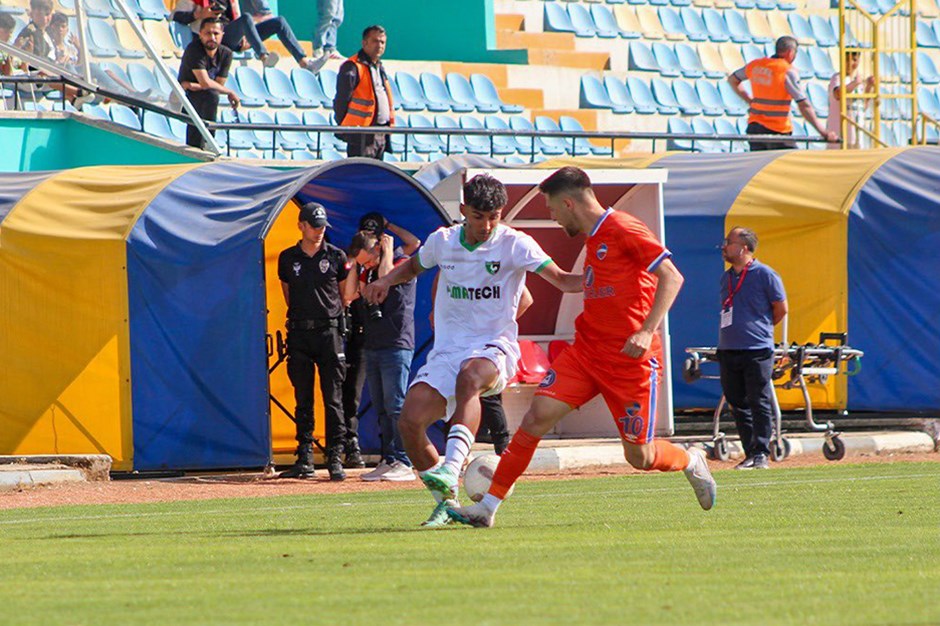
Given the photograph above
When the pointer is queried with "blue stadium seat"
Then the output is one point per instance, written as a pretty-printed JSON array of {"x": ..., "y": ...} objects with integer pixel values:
[
  {"x": 604, "y": 20},
  {"x": 889, "y": 69},
  {"x": 237, "y": 139},
  {"x": 694, "y": 24},
  {"x": 702, "y": 126},
  {"x": 643, "y": 101},
  {"x": 689, "y": 61},
  {"x": 822, "y": 63},
  {"x": 520, "y": 144},
  {"x": 12, "y": 10},
  {"x": 499, "y": 145},
  {"x": 96, "y": 111},
  {"x": 822, "y": 31},
  {"x": 801, "y": 28},
  {"x": 905, "y": 106},
  {"x": 751, "y": 52},
  {"x": 672, "y": 23},
  {"x": 660, "y": 93},
  {"x": 582, "y": 19},
  {"x": 688, "y": 97},
  {"x": 115, "y": 70},
  {"x": 679, "y": 126},
  {"x": 619, "y": 96},
  {"x": 889, "y": 106},
  {"x": 291, "y": 139},
  {"x": 658, "y": 2},
  {"x": 263, "y": 139},
  {"x": 252, "y": 86},
  {"x": 926, "y": 69},
  {"x": 454, "y": 144},
  {"x": 666, "y": 97},
  {"x": 141, "y": 79},
  {"x": 438, "y": 99},
  {"x": 308, "y": 88},
  {"x": 485, "y": 91},
  {"x": 152, "y": 10},
  {"x": 105, "y": 40},
  {"x": 642, "y": 59},
  {"x": 181, "y": 34},
  {"x": 804, "y": 64},
  {"x": 280, "y": 86},
  {"x": 232, "y": 83},
  {"x": 122, "y": 115},
  {"x": 557, "y": 145},
  {"x": 903, "y": 133},
  {"x": 321, "y": 140},
  {"x": 461, "y": 91},
  {"x": 557, "y": 20},
  {"x": 884, "y": 6},
  {"x": 926, "y": 37},
  {"x": 522, "y": 124},
  {"x": 158, "y": 126},
  {"x": 733, "y": 104},
  {"x": 887, "y": 135},
  {"x": 744, "y": 4},
  {"x": 927, "y": 102},
  {"x": 328, "y": 82},
  {"x": 680, "y": 3},
  {"x": 666, "y": 59},
  {"x": 572, "y": 125},
  {"x": 766, "y": 5},
  {"x": 412, "y": 94},
  {"x": 737, "y": 27},
  {"x": 716, "y": 25},
  {"x": 593, "y": 94},
  {"x": 725, "y": 127},
  {"x": 902, "y": 61},
  {"x": 709, "y": 97},
  {"x": 331, "y": 154},
  {"x": 850, "y": 40},
  {"x": 93, "y": 8},
  {"x": 818, "y": 98},
  {"x": 424, "y": 144}
]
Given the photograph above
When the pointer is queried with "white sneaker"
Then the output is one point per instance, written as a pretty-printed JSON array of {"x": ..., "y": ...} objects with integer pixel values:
[
  {"x": 270, "y": 59},
  {"x": 377, "y": 473},
  {"x": 316, "y": 64},
  {"x": 700, "y": 477},
  {"x": 398, "y": 472},
  {"x": 475, "y": 515}
]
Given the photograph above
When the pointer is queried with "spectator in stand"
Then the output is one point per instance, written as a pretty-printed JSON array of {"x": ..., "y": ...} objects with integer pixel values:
[
  {"x": 7, "y": 24},
  {"x": 203, "y": 71},
  {"x": 330, "y": 18},
  {"x": 775, "y": 83},
  {"x": 854, "y": 108},
  {"x": 364, "y": 96},
  {"x": 34, "y": 38}
]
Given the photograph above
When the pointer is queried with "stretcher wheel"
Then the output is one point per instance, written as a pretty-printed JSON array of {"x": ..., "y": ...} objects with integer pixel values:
[
  {"x": 834, "y": 449},
  {"x": 780, "y": 449},
  {"x": 720, "y": 450}
]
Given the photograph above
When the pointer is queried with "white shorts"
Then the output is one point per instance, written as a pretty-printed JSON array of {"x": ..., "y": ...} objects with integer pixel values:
[{"x": 441, "y": 369}]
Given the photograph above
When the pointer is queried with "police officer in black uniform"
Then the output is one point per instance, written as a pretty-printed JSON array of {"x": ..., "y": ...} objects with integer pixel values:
[{"x": 312, "y": 274}]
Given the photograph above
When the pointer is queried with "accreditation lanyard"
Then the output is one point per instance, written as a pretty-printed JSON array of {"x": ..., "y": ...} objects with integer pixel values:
[{"x": 729, "y": 301}]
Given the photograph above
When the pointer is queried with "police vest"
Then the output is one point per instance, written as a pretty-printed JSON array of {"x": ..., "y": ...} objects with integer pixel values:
[
  {"x": 362, "y": 108},
  {"x": 770, "y": 104}
]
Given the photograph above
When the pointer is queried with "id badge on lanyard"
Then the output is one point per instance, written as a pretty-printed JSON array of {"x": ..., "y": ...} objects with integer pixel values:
[
  {"x": 726, "y": 316},
  {"x": 727, "y": 309}
]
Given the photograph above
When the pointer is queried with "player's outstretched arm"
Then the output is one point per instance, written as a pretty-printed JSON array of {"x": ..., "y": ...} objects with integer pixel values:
[
  {"x": 670, "y": 282},
  {"x": 376, "y": 292},
  {"x": 564, "y": 281}
]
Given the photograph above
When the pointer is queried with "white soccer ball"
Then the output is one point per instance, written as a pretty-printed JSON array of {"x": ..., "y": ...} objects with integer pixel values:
[{"x": 479, "y": 475}]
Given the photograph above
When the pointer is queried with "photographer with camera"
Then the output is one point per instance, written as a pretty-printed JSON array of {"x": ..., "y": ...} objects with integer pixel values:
[{"x": 389, "y": 337}]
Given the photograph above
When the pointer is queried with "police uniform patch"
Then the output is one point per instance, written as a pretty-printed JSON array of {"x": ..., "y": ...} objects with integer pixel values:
[
  {"x": 324, "y": 265},
  {"x": 601, "y": 251}
]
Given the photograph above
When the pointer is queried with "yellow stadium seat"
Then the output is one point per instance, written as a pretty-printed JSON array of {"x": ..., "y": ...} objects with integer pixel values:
[
  {"x": 731, "y": 55},
  {"x": 760, "y": 27},
  {"x": 159, "y": 35},
  {"x": 650, "y": 25},
  {"x": 627, "y": 20},
  {"x": 127, "y": 36},
  {"x": 779, "y": 25},
  {"x": 928, "y": 9},
  {"x": 724, "y": 4},
  {"x": 711, "y": 58},
  {"x": 704, "y": 4}
]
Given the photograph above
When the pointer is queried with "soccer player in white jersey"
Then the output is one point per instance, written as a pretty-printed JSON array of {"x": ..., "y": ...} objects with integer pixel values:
[{"x": 482, "y": 267}]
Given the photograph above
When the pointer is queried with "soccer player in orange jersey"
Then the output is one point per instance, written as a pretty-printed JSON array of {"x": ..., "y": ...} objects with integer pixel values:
[{"x": 629, "y": 285}]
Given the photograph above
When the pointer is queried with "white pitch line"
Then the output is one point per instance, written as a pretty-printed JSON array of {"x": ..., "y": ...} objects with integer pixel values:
[{"x": 554, "y": 494}]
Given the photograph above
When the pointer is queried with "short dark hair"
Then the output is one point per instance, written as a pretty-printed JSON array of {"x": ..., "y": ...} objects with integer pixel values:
[
  {"x": 40, "y": 4},
  {"x": 375, "y": 28},
  {"x": 7, "y": 22},
  {"x": 485, "y": 194},
  {"x": 363, "y": 240},
  {"x": 58, "y": 18},
  {"x": 568, "y": 179},
  {"x": 748, "y": 236},
  {"x": 785, "y": 44},
  {"x": 212, "y": 20}
]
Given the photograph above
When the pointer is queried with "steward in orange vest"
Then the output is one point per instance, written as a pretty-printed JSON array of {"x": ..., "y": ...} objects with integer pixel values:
[{"x": 364, "y": 96}]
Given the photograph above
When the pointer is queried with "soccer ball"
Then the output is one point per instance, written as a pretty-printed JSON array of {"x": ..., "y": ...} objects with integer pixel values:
[{"x": 479, "y": 475}]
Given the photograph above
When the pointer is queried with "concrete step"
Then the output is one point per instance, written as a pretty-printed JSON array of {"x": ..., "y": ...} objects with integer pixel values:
[{"x": 22, "y": 476}]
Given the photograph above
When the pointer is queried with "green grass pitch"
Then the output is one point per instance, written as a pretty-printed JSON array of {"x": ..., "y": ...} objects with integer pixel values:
[{"x": 837, "y": 544}]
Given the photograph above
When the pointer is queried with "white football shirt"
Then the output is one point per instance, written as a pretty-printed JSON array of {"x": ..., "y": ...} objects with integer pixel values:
[{"x": 479, "y": 287}]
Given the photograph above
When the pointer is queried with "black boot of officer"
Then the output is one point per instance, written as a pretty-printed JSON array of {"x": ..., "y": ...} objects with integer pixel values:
[
  {"x": 353, "y": 454},
  {"x": 335, "y": 463},
  {"x": 303, "y": 467}
]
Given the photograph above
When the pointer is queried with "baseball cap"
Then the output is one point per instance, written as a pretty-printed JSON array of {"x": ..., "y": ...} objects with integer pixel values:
[
  {"x": 373, "y": 222},
  {"x": 314, "y": 214}
]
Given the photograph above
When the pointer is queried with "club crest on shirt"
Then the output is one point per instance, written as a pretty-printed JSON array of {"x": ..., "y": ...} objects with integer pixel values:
[
  {"x": 588, "y": 276},
  {"x": 601, "y": 251},
  {"x": 492, "y": 266},
  {"x": 324, "y": 265},
  {"x": 296, "y": 268},
  {"x": 548, "y": 380}
]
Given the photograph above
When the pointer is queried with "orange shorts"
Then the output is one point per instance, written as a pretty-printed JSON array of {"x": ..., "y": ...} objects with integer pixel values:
[{"x": 629, "y": 386}]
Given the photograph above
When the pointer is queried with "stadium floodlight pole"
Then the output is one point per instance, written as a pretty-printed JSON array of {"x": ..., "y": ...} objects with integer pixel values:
[
  {"x": 81, "y": 19},
  {"x": 175, "y": 87}
]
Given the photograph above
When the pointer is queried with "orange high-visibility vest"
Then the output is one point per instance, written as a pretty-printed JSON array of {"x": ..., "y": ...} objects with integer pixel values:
[
  {"x": 770, "y": 104},
  {"x": 362, "y": 108}
]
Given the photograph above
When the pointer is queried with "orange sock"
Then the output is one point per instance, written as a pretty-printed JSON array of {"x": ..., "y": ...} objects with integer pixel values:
[
  {"x": 669, "y": 457},
  {"x": 513, "y": 463}
]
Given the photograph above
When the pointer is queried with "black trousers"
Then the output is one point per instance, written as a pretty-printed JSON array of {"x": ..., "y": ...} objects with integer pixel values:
[
  {"x": 759, "y": 129},
  {"x": 354, "y": 382},
  {"x": 493, "y": 419},
  {"x": 321, "y": 349},
  {"x": 746, "y": 383},
  {"x": 206, "y": 104},
  {"x": 372, "y": 146}
]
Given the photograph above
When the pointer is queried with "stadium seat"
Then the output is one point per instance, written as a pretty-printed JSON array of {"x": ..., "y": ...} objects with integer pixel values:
[
  {"x": 557, "y": 145},
  {"x": 672, "y": 24},
  {"x": 641, "y": 58},
  {"x": 737, "y": 27},
  {"x": 319, "y": 141},
  {"x": 759, "y": 26},
  {"x": 701, "y": 126},
  {"x": 822, "y": 63},
  {"x": 159, "y": 35},
  {"x": 731, "y": 55},
  {"x": 666, "y": 97},
  {"x": 593, "y": 94},
  {"x": 667, "y": 60},
  {"x": 822, "y": 31},
  {"x": 712, "y": 62},
  {"x": 437, "y": 95},
  {"x": 498, "y": 145},
  {"x": 628, "y": 21},
  {"x": 889, "y": 106},
  {"x": 158, "y": 126},
  {"x": 533, "y": 362},
  {"x": 461, "y": 91},
  {"x": 902, "y": 62},
  {"x": 124, "y": 116},
  {"x": 641, "y": 92},
  {"x": 801, "y": 29},
  {"x": 936, "y": 28},
  {"x": 308, "y": 88},
  {"x": 818, "y": 98},
  {"x": 619, "y": 96},
  {"x": 424, "y": 144},
  {"x": 246, "y": 101},
  {"x": 485, "y": 91},
  {"x": 926, "y": 37},
  {"x": 605, "y": 20},
  {"x": 93, "y": 8},
  {"x": 456, "y": 144},
  {"x": 689, "y": 61},
  {"x": 688, "y": 98},
  {"x": 926, "y": 69},
  {"x": 181, "y": 34},
  {"x": 693, "y": 24},
  {"x": 744, "y": 4},
  {"x": 733, "y": 104},
  {"x": 236, "y": 139},
  {"x": 291, "y": 139},
  {"x": 651, "y": 27},
  {"x": 523, "y": 145},
  {"x": 779, "y": 25},
  {"x": 328, "y": 82},
  {"x": 888, "y": 136},
  {"x": 678, "y": 126},
  {"x": 642, "y": 97},
  {"x": 96, "y": 111},
  {"x": 557, "y": 20},
  {"x": 280, "y": 86},
  {"x": 555, "y": 348},
  {"x": 252, "y": 86},
  {"x": 889, "y": 69},
  {"x": 522, "y": 124},
  {"x": 716, "y": 25},
  {"x": 905, "y": 106},
  {"x": 751, "y": 52},
  {"x": 105, "y": 41},
  {"x": 569, "y": 124},
  {"x": 582, "y": 20},
  {"x": 412, "y": 94},
  {"x": 152, "y": 10},
  {"x": 264, "y": 140},
  {"x": 927, "y": 102},
  {"x": 725, "y": 127},
  {"x": 709, "y": 97},
  {"x": 804, "y": 63}
]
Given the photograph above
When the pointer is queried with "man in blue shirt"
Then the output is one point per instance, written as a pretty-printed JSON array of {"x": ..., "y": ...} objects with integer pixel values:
[{"x": 753, "y": 301}]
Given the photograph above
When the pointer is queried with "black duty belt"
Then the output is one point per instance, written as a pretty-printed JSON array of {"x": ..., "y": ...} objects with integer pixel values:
[{"x": 312, "y": 324}]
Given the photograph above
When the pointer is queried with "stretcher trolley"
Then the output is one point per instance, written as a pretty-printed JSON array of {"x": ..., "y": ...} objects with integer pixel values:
[{"x": 795, "y": 366}]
